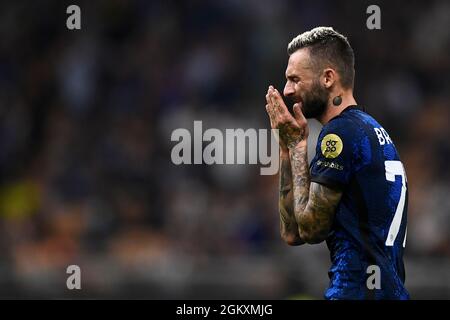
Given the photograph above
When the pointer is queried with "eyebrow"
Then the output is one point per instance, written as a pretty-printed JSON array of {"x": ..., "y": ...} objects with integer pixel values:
[{"x": 292, "y": 76}]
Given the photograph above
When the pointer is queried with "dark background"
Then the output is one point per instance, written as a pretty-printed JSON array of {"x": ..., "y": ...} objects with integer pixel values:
[{"x": 86, "y": 117}]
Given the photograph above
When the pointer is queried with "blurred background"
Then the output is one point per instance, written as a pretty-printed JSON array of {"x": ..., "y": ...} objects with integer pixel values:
[{"x": 86, "y": 117}]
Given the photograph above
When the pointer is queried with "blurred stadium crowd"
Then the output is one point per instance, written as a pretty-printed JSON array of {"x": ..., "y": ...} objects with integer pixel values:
[{"x": 85, "y": 122}]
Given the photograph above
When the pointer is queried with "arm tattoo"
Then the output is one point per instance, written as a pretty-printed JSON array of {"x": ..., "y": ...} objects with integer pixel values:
[
  {"x": 288, "y": 223},
  {"x": 301, "y": 178},
  {"x": 317, "y": 219},
  {"x": 314, "y": 204},
  {"x": 291, "y": 135}
]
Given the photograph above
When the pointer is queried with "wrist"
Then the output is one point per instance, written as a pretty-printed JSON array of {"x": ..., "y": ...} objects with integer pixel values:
[
  {"x": 299, "y": 145},
  {"x": 284, "y": 152}
]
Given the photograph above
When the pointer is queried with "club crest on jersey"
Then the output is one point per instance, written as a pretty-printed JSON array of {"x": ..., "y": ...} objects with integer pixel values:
[{"x": 331, "y": 146}]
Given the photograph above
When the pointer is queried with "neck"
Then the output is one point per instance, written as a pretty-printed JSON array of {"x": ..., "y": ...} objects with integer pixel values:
[{"x": 332, "y": 111}]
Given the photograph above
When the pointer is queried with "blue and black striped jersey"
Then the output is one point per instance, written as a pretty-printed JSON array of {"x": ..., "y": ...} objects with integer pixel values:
[{"x": 355, "y": 153}]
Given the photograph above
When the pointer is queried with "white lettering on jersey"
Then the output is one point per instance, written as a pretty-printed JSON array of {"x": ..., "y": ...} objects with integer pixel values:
[{"x": 383, "y": 137}]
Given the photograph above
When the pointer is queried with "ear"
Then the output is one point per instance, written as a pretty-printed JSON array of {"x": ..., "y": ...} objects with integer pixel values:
[{"x": 329, "y": 77}]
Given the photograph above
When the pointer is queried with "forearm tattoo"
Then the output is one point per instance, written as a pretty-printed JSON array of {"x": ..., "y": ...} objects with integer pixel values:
[
  {"x": 314, "y": 204},
  {"x": 301, "y": 178},
  {"x": 288, "y": 223},
  {"x": 291, "y": 135}
]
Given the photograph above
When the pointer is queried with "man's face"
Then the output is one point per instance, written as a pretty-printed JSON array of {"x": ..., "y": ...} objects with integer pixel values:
[{"x": 303, "y": 85}]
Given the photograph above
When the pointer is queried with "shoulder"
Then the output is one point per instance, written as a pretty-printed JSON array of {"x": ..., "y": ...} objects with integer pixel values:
[
  {"x": 344, "y": 134},
  {"x": 348, "y": 128}
]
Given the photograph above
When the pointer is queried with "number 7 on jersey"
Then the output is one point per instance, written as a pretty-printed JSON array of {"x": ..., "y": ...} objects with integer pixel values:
[{"x": 395, "y": 168}]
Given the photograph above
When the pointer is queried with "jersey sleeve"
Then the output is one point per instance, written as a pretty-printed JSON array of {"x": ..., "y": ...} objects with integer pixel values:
[{"x": 338, "y": 153}]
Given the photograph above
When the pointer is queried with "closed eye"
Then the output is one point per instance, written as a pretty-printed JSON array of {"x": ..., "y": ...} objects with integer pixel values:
[{"x": 294, "y": 79}]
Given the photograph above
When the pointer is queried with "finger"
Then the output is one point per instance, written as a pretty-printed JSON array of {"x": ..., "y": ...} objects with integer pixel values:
[
  {"x": 298, "y": 114},
  {"x": 269, "y": 102},
  {"x": 273, "y": 107},
  {"x": 272, "y": 100},
  {"x": 268, "y": 98},
  {"x": 271, "y": 116},
  {"x": 269, "y": 107},
  {"x": 280, "y": 100},
  {"x": 269, "y": 112},
  {"x": 276, "y": 108}
]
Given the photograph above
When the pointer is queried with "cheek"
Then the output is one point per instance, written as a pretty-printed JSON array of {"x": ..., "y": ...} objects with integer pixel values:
[
  {"x": 301, "y": 89},
  {"x": 304, "y": 86},
  {"x": 308, "y": 88}
]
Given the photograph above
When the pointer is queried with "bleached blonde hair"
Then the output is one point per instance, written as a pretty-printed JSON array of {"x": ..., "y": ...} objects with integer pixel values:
[{"x": 327, "y": 47}]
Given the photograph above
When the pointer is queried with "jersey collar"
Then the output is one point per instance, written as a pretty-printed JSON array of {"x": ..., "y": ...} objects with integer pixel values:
[
  {"x": 350, "y": 107},
  {"x": 354, "y": 107}
]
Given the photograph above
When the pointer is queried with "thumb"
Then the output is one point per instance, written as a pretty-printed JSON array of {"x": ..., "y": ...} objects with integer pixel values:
[{"x": 298, "y": 114}]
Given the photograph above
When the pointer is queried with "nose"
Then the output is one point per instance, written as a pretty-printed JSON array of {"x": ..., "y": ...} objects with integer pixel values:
[{"x": 288, "y": 90}]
